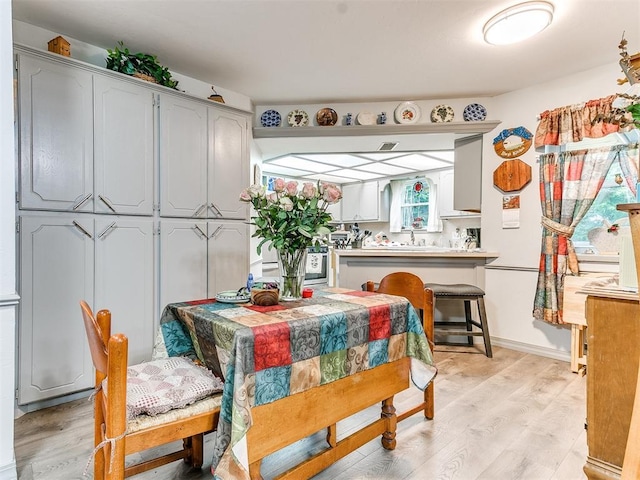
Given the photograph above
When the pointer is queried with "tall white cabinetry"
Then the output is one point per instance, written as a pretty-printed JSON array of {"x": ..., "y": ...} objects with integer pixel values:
[{"x": 91, "y": 196}]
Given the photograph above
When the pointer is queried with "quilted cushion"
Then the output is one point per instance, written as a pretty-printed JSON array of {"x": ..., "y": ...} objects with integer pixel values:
[{"x": 161, "y": 385}]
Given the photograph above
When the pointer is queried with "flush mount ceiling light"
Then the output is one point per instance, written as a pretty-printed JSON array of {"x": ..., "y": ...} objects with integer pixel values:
[{"x": 518, "y": 23}]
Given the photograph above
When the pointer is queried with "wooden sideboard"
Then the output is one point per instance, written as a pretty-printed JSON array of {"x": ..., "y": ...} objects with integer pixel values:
[{"x": 613, "y": 346}]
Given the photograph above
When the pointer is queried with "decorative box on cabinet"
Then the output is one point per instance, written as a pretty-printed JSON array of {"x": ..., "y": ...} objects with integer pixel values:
[
  {"x": 613, "y": 346},
  {"x": 64, "y": 259},
  {"x": 199, "y": 259},
  {"x": 365, "y": 201},
  {"x": 86, "y": 140},
  {"x": 203, "y": 160}
]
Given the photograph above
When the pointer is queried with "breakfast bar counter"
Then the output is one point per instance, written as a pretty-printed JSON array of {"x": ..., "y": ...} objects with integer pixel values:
[{"x": 353, "y": 267}]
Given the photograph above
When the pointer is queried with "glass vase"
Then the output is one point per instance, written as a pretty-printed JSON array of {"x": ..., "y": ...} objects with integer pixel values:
[{"x": 292, "y": 266}]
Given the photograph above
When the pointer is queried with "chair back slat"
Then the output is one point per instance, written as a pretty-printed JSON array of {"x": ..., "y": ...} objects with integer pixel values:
[{"x": 98, "y": 332}]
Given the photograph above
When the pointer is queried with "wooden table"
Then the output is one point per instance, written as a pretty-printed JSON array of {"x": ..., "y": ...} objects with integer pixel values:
[
  {"x": 613, "y": 350},
  {"x": 296, "y": 368}
]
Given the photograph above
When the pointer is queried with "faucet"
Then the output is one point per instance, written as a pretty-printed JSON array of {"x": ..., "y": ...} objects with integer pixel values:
[{"x": 413, "y": 238}]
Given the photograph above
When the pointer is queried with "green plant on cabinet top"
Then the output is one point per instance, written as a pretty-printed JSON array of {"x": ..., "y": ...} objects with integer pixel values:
[{"x": 120, "y": 59}]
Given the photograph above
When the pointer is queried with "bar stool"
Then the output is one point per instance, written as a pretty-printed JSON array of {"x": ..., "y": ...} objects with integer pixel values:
[{"x": 467, "y": 293}]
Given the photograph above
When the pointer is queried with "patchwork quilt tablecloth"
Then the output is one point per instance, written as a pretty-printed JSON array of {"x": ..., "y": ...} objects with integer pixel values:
[{"x": 267, "y": 353}]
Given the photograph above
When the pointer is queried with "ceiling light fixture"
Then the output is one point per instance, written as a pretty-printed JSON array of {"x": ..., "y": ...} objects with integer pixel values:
[{"x": 518, "y": 23}]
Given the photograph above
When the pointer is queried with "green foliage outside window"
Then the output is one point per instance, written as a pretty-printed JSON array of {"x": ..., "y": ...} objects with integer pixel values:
[
  {"x": 415, "y": 204},
  {"x": 603, "y": 212}
]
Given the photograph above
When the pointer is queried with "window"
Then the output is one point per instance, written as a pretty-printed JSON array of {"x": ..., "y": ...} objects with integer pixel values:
[
  {"x": 603, "y": 212},
  {"x": 415, "y": 204}
]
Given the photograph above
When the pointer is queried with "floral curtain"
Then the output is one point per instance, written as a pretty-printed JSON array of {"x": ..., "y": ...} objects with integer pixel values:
[
  {"x": 573, "y": 123},
  {"x": 569, "y": 182}
]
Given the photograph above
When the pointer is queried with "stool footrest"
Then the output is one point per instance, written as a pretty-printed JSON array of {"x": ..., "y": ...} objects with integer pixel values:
[{"x": 463, "y": 333}]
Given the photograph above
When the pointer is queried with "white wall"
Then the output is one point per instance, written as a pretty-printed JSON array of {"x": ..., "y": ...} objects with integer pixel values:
[
  {"x": 511, "y": 288},
  {"x": 8, "y": 296}
]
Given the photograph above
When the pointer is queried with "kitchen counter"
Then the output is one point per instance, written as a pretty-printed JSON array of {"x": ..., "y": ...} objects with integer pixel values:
[
  {"x": 414, "y": 252},
  {"x": 353, "y": 267}
]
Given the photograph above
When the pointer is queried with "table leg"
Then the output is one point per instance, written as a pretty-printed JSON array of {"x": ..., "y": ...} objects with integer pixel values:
[
  {"x": 389, "y": 413},
  {"x": 332, "y": 435}
]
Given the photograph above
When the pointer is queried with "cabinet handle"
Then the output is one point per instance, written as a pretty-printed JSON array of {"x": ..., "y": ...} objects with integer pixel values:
[
  {"x": 104, "y": 200},
  {"x": 202, "y": 234},
  {"x": 215, "y": 232},
  {"x": 107, "y": 230},
  {"x": 82, "y": 201},
  {"x": 199, "y": 210},
  {"x": 215, "y": 209},
  {"x": 81, "y": 228}
]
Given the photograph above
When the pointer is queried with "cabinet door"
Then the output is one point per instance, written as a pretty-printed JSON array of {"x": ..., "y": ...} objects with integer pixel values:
[
  {"x": 229, "y": 167},
  {"x": 467, "y": 191},
  {"x": 228, "y": 256},
  {"x": 124, "y": 249},
  {"x": 56, "y": 265},
  {"x": 124, "y": 152},
  {"x": 360, "y": 201},
  {"x": 56, "y": 136},
  {"x": 183, "y": 261},
  {"x": 335, "y": 211},
  {"x": 183, "y": 157}
]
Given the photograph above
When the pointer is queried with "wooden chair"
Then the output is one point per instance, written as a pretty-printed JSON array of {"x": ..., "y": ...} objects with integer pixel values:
[
  {"x": 114, "y": 435},
  {"x": 411, "y": 287},
  {"x": 631, "y": 463}
]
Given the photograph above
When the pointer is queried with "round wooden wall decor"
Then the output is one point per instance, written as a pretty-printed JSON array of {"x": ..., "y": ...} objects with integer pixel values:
[
  {"x": 513, "y": 142},
  {"x": 512, "y": 175}
]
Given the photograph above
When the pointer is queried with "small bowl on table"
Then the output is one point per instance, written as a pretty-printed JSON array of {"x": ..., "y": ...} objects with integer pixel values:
[{"x": 265, "y": 294}]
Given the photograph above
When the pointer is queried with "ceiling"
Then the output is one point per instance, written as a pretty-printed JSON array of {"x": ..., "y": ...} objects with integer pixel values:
[{"x": 317, "y": 51}]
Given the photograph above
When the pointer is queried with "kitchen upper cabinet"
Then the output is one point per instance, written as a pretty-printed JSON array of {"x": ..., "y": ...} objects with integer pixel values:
[
  {"x": 445, "y": 196},
  {"x": 58, "y": 255},
  {"x": 365, "y": 202},
  {"x": 203, "y": 160},
  {"x": 467, "y": 187},
  {"x": 183, "y": 157},
  {"x": 86, "y": 140},
  {"x": 229, "y": 167},
  {"x": 199, "y": 259},
  {"x": 56, "y": 135},
  {"x": 123, "y": 147}
]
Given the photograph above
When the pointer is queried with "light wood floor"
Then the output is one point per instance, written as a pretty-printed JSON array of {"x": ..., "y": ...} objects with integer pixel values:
[{"x": 516, "y": 416}]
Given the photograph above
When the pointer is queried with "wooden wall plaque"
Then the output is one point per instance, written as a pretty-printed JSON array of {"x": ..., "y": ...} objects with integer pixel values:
[{"x": 512, "y": 175}]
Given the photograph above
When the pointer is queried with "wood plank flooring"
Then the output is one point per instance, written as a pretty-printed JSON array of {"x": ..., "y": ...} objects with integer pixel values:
[{"x": 516, "y": 416}]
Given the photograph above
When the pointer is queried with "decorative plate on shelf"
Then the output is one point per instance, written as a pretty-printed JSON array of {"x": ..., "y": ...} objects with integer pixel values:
[
  {"x": 326, "y": 117},
  {"x": 298, "y": 118},
  {"x": 474, "y": 112},
  {"x": 442, "y": 113},
  {"x": 367, "y": 118},
  {"x": 407, "y": 112},
  {"x": 233, "y": 296},
  {"x": 270, "y": 118}
]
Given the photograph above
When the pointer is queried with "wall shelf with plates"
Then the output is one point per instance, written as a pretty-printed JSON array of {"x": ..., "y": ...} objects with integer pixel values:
[{"x": 388, "y": 129}]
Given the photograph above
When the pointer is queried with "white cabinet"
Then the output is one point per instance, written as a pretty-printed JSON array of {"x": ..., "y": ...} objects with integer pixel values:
[
  {"x": 124, "y": 281},
  {"x": 86, "y": 141},
  {"x": 199, "y": 259},
  {"x": 58, "y": 255},
  {"x": 124, "y": 139},
  {"x": 445, "y": 196},
  {"x": 56, "y": 273},
  {"x": 56, "y": 135},
  {"x": 203, "y": 160},
  {"x": 335, "y": 210},
  {"x": 365, "y": 202},
  {"x": 467, "y": 188}
]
